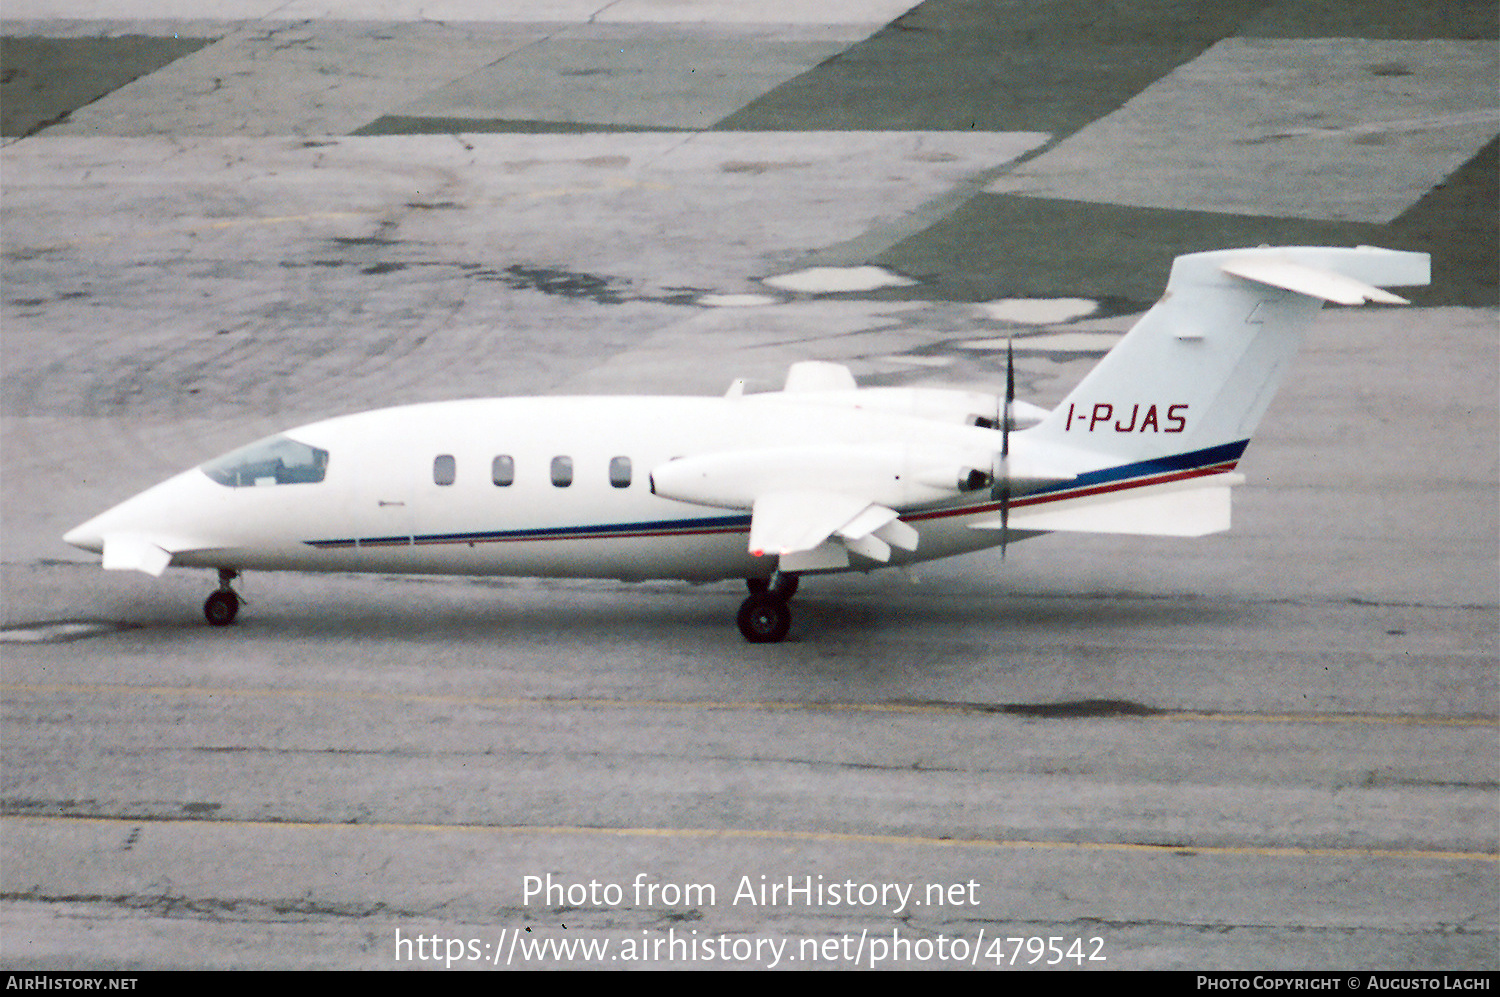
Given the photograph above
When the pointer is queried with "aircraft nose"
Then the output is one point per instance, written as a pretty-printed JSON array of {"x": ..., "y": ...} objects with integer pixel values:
[
  {"x": 145, "y": 530},
  {"x": 152, "y": 513},
  {"x": 85, "y": 536}
]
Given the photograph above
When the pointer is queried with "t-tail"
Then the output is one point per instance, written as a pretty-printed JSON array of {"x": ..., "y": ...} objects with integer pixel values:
[{"x": 1162, "y": 420}]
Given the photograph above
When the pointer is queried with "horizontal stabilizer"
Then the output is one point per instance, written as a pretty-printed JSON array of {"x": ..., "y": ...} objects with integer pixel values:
[
  {"x": 1192, "y": 508},
  {"x": 124, "y": 552},
  {"x": 1327, "y": 285}
]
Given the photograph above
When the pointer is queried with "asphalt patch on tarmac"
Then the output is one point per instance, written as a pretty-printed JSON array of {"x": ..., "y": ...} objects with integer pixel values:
[
  {"x": 1373, "y": 19},
  {"x": 1455, "y": 222},
  {"x": 43, "y": 80},
  {"x": 949, "y": 65},
  {"x": 1002, "y": 245}
]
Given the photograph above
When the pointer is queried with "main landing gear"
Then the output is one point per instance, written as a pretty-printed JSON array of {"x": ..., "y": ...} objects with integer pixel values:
[
  {"x": 765, "y": 617},
  {"x": 222, "y": 607}
]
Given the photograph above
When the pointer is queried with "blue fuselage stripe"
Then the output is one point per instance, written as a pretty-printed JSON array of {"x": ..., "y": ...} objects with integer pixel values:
[{"x": 1226, "y": 453}]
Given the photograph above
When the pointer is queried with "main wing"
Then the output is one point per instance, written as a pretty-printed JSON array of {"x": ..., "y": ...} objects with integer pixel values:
[{"x": 816, "y": 530}]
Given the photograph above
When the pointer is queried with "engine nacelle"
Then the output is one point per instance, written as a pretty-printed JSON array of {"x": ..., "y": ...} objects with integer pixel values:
[{"x": 890, "y": 476}]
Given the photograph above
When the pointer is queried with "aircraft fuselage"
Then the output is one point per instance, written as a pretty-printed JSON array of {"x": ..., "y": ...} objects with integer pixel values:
[{"x": 540, "y": 487}]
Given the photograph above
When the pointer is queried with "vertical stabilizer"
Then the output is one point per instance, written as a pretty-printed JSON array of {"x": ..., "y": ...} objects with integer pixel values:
[{"x": 1199, "y": 369}]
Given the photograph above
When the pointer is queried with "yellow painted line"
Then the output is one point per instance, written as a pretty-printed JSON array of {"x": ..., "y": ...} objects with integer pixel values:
[
  {"x": 774, "y": 834},
  {"x": 492, "y": 701},
  {"x": 1338, "y": 718},
  {"x": 285, "y": 219},
  {"x": 1020, "y": 711}
]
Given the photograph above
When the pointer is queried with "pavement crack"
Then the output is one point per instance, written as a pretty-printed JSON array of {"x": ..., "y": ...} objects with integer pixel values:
[{"x": 170, "y": 905}]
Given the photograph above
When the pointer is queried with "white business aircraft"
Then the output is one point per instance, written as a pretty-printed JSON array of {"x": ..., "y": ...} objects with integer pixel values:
[{"x": 822, "y": 476}]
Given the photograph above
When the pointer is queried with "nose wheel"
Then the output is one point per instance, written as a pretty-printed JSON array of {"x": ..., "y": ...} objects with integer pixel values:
[
  {"x": 223, "y": 606},
  {"x": 765, "y": 617}
]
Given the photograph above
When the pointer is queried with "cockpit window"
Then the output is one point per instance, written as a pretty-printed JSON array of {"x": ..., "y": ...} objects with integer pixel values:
[{"x": 276, "y": 461}]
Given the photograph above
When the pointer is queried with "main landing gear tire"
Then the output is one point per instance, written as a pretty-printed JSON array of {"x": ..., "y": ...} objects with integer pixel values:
[
  {"x": 764, "y": 619},
  {"x": 221, "y": 608},
  {"x": 224, "y": 605}
]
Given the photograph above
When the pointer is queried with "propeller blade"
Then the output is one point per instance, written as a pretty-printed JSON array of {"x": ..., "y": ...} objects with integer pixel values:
[
  {"x": 1010, "y": 389},
  {"x": 1000, "y": 475}
]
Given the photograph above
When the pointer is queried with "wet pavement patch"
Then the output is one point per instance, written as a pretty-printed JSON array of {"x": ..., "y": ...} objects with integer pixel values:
[
  {"x": 1455, "y": 222},
  {"x": 552, "y": 280},
  {"x": 1068, "y": 709},
  {"x": 1080, "y": 709}
]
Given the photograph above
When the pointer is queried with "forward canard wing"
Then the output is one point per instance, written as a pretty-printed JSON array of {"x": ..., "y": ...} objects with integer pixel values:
[
  {"x": 125, "y": 552},
  {"x": 133, "y": 552}
]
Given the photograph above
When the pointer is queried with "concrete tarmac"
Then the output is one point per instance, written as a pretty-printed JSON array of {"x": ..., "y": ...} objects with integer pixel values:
[{"x": 1270, "y": 748}]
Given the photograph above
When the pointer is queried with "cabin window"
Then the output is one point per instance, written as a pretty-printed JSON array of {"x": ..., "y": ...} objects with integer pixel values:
[
  {"x": 619, "y": 472},
  {"x": 274, "y": 461},
  {"x": 562, "y": 471},
  {"x": 503, "y": 471},
  {"x": 444, "y": 469}
]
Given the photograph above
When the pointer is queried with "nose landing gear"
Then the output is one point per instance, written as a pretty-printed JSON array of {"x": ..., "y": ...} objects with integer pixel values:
[
  {"x": 765, "y": 617},
  {"x": 223, "y": 605}
]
